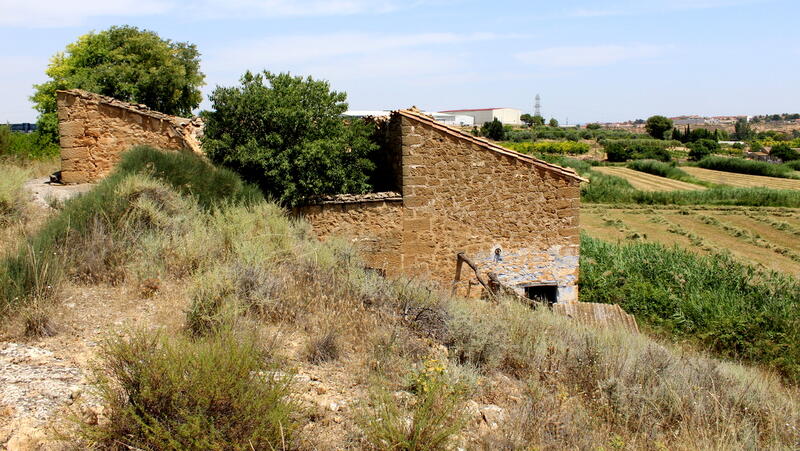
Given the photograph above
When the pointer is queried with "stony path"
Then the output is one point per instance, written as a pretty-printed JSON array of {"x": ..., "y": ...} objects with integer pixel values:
[
  {"x": 34, "y": 385},
  {"x": 44, "y": 193}
]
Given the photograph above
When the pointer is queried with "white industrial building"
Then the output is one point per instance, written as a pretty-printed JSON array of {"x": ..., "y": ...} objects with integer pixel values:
[
  {"x": 480, "y": 116},
  {"x": 444, "y": 118}
]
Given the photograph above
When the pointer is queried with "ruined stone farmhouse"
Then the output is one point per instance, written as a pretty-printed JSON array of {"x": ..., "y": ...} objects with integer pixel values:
[
  {"x": 96, "y": 129},
  {"x": 447, "y": 192},
  {"x": 440, "y": 193}
]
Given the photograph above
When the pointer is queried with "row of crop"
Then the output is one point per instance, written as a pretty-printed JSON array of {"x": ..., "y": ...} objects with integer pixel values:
[
  {"x": 609, "y": 189},
  {"x": 550, "y": 147},
  {"x": 752, "y": 167},
  {"x": 730, "y": 307}
]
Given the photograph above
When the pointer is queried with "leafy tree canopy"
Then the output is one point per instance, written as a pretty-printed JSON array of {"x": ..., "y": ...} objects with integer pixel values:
[
  {"x": 702, "y": 148},
  {"x": 286, "y": 134},
  {"x": 493, "y": 130},
  {"x": 126, "y": 63},
  {"x": 527, "y": 119},
  {"x": 553, "y": 122},
  {"x": 784, "y": 152},
  {"x": 742, "y": 130},
  {"x": 656, "y": 126}
]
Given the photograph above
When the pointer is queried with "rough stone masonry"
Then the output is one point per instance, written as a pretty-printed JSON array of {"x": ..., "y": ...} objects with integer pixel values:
[
  {"x": 443, "y": 192},
  {"x": 96, "y": 129},
  {"x": 511, "y": 214}
]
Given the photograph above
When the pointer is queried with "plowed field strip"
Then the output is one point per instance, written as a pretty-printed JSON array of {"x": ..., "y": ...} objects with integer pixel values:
[
  {"x": 655, "y": 232},
  {"x": 597, "y": 228},
  {"x": 765, "y": 231},
  {"x": 740, "y": 248},
  {"x": 741, "y": 180},
  {"x": 647, "y": 182}
]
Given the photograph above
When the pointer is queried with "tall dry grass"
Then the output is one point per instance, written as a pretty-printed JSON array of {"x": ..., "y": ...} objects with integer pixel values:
[{"x": 247, "y": 265}]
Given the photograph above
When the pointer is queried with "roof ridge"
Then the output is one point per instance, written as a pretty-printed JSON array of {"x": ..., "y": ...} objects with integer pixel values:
[{"x": 569, "y": 172}]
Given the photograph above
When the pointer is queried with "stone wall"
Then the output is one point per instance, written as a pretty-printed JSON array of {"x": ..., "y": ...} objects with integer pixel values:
[
  {"x": 96, "y": 129},
  {"x": 371, "y": 222},
  {"x": 462, "y": 194}
]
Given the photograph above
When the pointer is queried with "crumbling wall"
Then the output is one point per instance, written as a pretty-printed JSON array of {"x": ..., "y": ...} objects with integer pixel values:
[
  {"x": 95, "y": 130},
  {"x": 371, "y": 222}
]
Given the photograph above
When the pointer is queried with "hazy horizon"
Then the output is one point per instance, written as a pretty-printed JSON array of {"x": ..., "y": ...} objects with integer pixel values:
[{"x": 623, "y": 60}]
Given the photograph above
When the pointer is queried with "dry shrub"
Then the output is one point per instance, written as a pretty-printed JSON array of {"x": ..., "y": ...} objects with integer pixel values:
[
  {"x": 323, "y": 347},
  {"x": 97, "y": 255},
  {"x": 610, "y": 387},
  {"x": 213, "y": 303},
  {"x": 215, "y": 392},
  {"x": 12, "y": 193},
  {"x": 428, "y": 422},
  {"x": 37, "y": 320},
  {"x": 476, "y": 338}
]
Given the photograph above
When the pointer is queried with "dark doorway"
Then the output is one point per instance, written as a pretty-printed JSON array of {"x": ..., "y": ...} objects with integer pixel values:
[{"x": 542, "y": 293}]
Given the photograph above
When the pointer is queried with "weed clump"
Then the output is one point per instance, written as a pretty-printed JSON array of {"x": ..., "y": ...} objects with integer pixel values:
[
  {"x": 429, "y": 421},
  {"x": 216, "y": 392}
]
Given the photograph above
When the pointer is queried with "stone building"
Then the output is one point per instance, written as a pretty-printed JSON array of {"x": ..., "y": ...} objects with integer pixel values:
[
  {"x": 446, "y": 192},
  {"x": 96, "y": 129}
]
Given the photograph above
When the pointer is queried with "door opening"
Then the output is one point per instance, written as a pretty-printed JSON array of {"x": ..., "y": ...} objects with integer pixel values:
[{"x": 542, "y": 293}]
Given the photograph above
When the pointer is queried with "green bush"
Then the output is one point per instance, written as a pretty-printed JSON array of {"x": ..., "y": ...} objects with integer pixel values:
[
  {"x": 216, "y": 392},
  {"x": 637, "y": 149},
  {"x": 26, "y": 145},
  {"x": 295, "y": 145},
  {"x": 702, "y": 148},
  {"x": 742, "y": 166},
  {"x": 493, "y": 130},
  {"x": 731, "y": 307},
  {"x": 661, "y": 169}
]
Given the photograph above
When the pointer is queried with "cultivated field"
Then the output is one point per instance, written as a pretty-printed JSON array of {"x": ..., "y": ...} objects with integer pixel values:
[
  {"x": 741, "y": 180},
  {"x": 767, "y": 237},
  {"x": 647, "y": 182}
]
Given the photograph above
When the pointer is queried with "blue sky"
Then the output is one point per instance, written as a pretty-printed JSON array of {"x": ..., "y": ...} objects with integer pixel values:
[{"x": 590, "y": 61}]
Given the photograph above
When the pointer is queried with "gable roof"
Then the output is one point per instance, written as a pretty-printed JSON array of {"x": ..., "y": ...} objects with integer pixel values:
[{"x": 488, "y": 145}]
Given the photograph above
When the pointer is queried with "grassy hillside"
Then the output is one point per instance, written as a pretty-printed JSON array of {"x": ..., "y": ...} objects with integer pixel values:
[{"x": 263, "y": 303}]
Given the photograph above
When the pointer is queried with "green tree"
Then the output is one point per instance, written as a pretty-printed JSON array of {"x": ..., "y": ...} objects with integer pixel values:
[
  {"x": 656, "y": 126},
  {"x": 553, "y": 122},
  {"x": 527, "y": 119},
  {"x": 594, "y": 126},
  {"x": 125, "y": 63},
  {"x": 784, "y": 152},
  {"x": 286, "y": 134},
  {"x": 493, "y": 130},
  {"x": 702, "y": 148},
  {"x": 742, "y": 130},
  {"x": 538, "y": 120},
  {"x": 700, "y": 133}
]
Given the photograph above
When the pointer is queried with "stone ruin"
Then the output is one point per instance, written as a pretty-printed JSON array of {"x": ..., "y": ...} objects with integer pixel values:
[{"x": 96, "y": 129}]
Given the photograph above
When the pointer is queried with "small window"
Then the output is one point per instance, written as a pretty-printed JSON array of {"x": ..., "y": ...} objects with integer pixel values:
[{"x": 542, "y": 293}]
